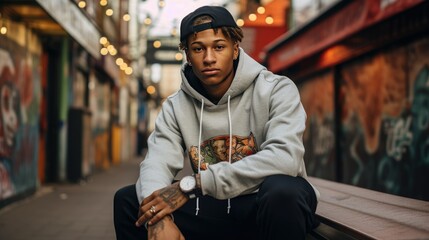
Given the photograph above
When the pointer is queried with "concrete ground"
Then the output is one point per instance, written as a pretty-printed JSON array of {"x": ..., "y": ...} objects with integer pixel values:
[{"x": 69, "y": 211}]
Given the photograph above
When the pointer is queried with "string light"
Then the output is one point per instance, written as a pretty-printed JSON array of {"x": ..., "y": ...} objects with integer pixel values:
[
  {"x": 151, "y": 89},
  {"x": 104, "y": 51},
  {"x": 148, "y": 20},
  {"x": 119, "y": 61},
  {"x": 126, "y": 17},
  {"x": 157, "y": 44},
  {"x": 3, "y": 28},
  {"x": 252, "y": 17},
  {"x": 123, "y": 66},
  {"x": 179, "y": 56},
  {"x": 269, "y": 20},
  {"x": 103, "y": 40},
  {"x": 110, "y": 49},
  {"x": 109, "y": 12},
  {"x": 82, "y": 4},
  {"x": 128, "y": 70},
  {"x": 161, "y": 3},
  {"x": 113, "y": 52},
  {"x": 103, "y": 3}
]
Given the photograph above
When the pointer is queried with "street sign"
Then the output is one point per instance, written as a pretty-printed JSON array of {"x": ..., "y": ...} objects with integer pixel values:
[{"x": 163, "y": 51}]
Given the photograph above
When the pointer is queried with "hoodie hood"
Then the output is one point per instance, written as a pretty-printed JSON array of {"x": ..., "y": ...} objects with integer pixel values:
[{"x": 242, "y": 79}]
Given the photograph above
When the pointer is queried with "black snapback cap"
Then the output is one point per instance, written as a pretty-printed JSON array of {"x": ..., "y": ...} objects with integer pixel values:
[{"x": 221, "y": 17}]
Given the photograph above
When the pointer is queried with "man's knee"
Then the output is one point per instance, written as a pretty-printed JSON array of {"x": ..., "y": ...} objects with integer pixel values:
[
  {"x": 281, "y": 188},
  {"x": 119, "y": 195},
  {"x": 125, "y": 196}
]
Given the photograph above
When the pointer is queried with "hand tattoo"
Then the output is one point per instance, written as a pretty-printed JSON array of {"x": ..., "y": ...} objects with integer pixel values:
[{"x": 170, "y": 196}]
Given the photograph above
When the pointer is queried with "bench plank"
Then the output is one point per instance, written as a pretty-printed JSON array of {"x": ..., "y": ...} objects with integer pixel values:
[{"x": 367, "y": 214}]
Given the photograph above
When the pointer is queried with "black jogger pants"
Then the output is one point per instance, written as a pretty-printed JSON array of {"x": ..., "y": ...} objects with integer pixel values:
[{"x": 283, "y": 208}]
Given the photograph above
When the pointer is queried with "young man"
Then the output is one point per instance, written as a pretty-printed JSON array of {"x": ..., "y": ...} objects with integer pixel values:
[{"x": 240, "y": 127}]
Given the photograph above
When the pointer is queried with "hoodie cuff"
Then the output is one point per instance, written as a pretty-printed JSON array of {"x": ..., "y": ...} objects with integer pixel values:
[
  {"x": 208, "y": 185},
  {"x": 139, "y": 191}
]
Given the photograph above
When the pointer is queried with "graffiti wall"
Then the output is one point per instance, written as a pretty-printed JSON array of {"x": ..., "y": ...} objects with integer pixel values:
[
  {"x": 385, "y": 121},
  {"x": 19, "y": 116},
  {"x": 317, "y": 96}
]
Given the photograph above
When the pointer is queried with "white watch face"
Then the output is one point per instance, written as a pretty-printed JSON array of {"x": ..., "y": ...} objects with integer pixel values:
[{"x": 187, "y": 184}]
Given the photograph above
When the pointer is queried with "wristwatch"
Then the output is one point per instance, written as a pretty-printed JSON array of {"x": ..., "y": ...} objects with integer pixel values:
[{"x": 188, "y": 185}]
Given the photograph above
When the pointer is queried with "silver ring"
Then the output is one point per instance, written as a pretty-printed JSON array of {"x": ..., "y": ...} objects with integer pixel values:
[{"x": 152, "y": 210}]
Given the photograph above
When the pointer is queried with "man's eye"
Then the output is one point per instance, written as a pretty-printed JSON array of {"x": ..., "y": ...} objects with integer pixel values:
[
  {"x": 220, "y": 47},
  {"x": 198, "y": 49}
]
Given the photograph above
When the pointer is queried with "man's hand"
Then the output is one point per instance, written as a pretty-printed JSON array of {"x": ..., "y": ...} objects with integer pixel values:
[
  {"x": 161, "y": 203},
  {"x": 164, "y": 229}
]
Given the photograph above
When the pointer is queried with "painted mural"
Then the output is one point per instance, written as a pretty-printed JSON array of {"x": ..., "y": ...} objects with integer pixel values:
[
  {"x": 317, "y": 96},
  {"x": 19, "y": 117},
  {"x": 385, "y": 121}
]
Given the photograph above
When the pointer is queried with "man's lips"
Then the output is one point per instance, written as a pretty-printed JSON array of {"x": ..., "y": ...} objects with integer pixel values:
[{"x": 210, "y": 71}]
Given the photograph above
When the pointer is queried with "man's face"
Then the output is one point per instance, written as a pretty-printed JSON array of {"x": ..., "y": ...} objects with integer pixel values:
[{"x": 211, "y": 55}]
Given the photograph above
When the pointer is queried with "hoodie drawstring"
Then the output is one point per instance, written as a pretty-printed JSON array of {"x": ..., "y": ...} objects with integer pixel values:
[
  {"x": 199, "y": 148},
  {"x": 199, "y": 151},
  {"x": 230, "y": 142}
]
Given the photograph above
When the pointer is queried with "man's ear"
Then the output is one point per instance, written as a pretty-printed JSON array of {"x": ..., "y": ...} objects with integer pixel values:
[
  {"x": 188, "y": 59},
  {"x": 236, "y": 50}
]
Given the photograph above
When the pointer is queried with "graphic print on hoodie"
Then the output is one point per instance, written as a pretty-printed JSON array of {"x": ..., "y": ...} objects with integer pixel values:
[{"x": 216, "y": 150}]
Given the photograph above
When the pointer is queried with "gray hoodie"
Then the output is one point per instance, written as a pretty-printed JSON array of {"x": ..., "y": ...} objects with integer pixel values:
[{"x": 254, "y": 131}]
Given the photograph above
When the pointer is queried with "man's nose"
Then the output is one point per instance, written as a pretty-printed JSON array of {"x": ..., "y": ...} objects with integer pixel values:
[{"x": 209, "y": 56}]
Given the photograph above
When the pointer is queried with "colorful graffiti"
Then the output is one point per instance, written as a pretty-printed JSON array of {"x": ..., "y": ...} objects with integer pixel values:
[
  {"x": 383, "y": 131},
  {"x": 407, "y": 145},
  {"x": 19, "y": 116},
  {"x": 385, "y": 122},
  {"x": 319, "y": 138}
]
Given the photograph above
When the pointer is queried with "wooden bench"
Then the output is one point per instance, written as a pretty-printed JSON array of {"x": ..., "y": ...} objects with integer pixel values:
[{"x": 349, "y": 212}]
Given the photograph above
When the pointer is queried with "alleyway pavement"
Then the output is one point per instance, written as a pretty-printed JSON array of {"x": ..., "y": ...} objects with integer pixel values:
[{"x": 69, "y": 211}]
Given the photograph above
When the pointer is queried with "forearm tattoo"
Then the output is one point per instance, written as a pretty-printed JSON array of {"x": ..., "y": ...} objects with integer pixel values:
[{"x": 156, "y": 229}]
